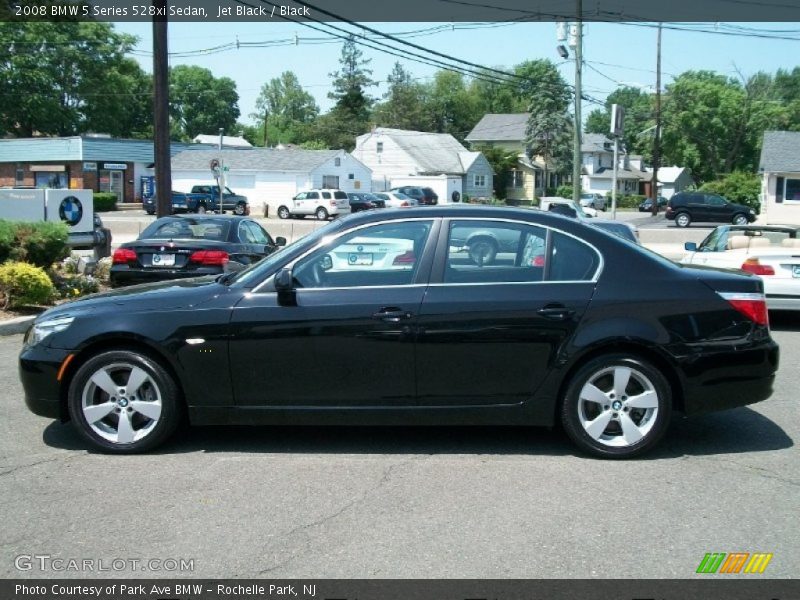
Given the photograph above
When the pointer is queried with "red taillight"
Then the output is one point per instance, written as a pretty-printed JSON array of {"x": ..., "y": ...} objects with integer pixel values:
[
  {"x": 123, "y": 256},
  {"x": 209, "y": 257},
  {"x": 752, "y": 306},
  {"x": 404, "y": 204},
  {"x": 751, "y": 265},
  {"x": 538, "y": 261},
  {"x": 406, "y": 258}
]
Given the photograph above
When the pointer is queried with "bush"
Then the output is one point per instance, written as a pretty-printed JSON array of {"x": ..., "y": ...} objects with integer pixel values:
[
  {"x": 40, "y": 244},
  {"x": 564, "y": 191},
  {"x": 23, "y": 284},
  {"x": 738, "y": 187},
  {"x": 72, "y": 286},
  {"x": 104, "y": 201}
]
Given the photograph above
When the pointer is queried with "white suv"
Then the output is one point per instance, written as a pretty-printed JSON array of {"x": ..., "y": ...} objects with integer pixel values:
[{"x": 320, "y": 203}]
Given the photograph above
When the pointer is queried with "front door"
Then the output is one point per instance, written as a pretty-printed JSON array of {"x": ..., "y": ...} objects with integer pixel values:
[
  {"x": 501, "y": 303},
  {"x": 346, "y": 338}
]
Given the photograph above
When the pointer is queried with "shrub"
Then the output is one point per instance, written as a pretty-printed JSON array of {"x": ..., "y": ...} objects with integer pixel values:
[
  {"x": 41, "y": 244},
  {"x": 104, "y": 201},
  {"x": 7, "y": 233},
  {"x": 72, "y": 286},
  {"x": 102, "y": 271},
  {"x": 738, "y": 187},
  {"x": 564, "y": 191},
  {"x": 24, "y": 284}
]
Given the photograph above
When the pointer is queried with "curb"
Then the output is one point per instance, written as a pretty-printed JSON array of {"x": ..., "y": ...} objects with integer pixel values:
[{"x": 16, "y": 326}]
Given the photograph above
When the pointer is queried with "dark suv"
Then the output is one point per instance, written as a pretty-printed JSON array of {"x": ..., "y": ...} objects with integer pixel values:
[
  {"x": 423, "y": 195},
  {"x": 704, "y": 207}
]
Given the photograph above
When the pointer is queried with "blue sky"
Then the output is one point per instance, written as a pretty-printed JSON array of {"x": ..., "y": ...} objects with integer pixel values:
[{"x": 615, "y": 53}]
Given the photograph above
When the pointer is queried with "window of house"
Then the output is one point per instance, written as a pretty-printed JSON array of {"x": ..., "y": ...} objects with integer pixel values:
[
  {"x": 379, "y": 147},
  {"x": 516, "y": 179},
  {"x": 792, "y": 190},
  {"x": 337, "y": 162},
  {"x": 330, "y": 181},
  {"x": 480, "y": 181},
  {"x": 19, "y": 176}
]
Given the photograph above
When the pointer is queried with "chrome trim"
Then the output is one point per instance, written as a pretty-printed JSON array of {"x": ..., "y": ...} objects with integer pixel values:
[{"x": 586, "y": 281}]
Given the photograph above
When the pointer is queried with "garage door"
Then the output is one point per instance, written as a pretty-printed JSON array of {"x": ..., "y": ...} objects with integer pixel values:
[{"x": 272, "y": 190}]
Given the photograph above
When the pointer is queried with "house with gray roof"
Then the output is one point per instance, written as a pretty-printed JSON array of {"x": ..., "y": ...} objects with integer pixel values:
[
  {"x": 780, "y": 177},
  {"x": 597, "y": 167},
  {"x": 270, "y": 177},
  {"x": 397, "y": 154}
]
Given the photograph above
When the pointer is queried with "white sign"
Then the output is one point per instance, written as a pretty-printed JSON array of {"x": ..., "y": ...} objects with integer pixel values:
[
  {"x": 115, "y": 166},
  {"x": 90, "y": 166}
]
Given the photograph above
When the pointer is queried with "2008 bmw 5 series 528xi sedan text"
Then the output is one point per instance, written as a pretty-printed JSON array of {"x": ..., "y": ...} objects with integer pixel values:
[{"x": 389, "y": 318}]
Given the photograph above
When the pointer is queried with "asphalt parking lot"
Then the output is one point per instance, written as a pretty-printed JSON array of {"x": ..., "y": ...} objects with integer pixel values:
[{"x": 405, "y": 502}]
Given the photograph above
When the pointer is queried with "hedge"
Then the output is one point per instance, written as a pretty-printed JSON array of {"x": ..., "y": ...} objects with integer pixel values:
[
  {"x": 39, "y": 243},
  {"x": 22, "y": 284},
  {"x": 104, "y": 201}
]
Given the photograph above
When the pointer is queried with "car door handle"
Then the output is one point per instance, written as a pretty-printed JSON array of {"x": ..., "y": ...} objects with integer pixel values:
[
  {"x": 556, "y": 312},
  {"x": 391, "y": 315}
]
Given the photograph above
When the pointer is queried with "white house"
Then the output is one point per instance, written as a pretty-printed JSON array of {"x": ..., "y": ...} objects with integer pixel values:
[
  {"x": 597, "y": 160},
  {"x": 780, "y": 178},
  {"x": 672, "y": 180},
  {"x": 395, "y": 154},
  {"x": 271, "y": 176}
]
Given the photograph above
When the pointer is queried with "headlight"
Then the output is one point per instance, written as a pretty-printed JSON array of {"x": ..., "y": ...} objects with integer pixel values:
[
  {"x": 41, "y": 330},
  {"x": 752, "y": 212}
]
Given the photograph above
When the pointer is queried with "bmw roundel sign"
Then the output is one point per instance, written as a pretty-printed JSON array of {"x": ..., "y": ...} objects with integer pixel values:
[{"x": 70, "y": 210}]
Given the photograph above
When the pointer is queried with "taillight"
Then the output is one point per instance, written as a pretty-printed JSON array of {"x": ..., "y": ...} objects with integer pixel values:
[
  {"x": 123, "y": 256},
  {"x": 538, "y": 261},
  {"x": 751, "y": 265},
  {"x": 209, "y": 257},
  {"x": 404, "y": 204},
  {"x": 333, "y": 202},
  {"x": 406, "y": 258},
  {"x": 752, "y": 306}
]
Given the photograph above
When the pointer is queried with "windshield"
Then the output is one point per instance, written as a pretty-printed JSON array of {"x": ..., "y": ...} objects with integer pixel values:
[{"x": 187, "y": 228}]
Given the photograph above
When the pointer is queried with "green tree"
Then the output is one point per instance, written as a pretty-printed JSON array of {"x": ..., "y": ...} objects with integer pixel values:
[
  {"x": 200, "y": 102},
  {"x": 494, "y": 97},
  {"x": 67, "y": 78},
  {"x": 405, "y": 103},
  {"x": 740, "y": 187},
  {"x": 451, "y": 108},
  {"x": 288, "y": 108},
  {"x": 502, "y": 161},
  {"x": 639, "y": 117},
  {"x": 542, "y": 83}
]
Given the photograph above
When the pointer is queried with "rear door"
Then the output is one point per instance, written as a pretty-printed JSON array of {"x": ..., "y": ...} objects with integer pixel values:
[
  {"x": 342, "y": 202},
  {"x": 504, "y": 317}
]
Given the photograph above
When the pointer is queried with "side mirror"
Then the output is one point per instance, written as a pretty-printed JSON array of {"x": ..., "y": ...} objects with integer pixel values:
[
  {"x": 280, "y": 241},
  {"x": 690, "y": 247},
  {"x": 284, "y": 281}
]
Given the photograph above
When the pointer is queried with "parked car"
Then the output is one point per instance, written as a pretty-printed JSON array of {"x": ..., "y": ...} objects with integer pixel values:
[
  {"x": 395, "y": 199},
  {"x": 558, "y": 331},
  {"x": 182, "y": 202},
  {"x": 191, "y": 246},
  {"x": 771, "y": 252},
  {"x": 702, "y": 207},
  {"x": 323, "y": 204},
  {"x": 646, "y": 205},
  {"x": 231, "y": 201},
  {"x": 363, "y": 201},
  {"x": 423, "y": 195},
  {"x": 566, "y": 207},
  {"x": 593, "y": 200},
  {"x": 569, "y": 208}
]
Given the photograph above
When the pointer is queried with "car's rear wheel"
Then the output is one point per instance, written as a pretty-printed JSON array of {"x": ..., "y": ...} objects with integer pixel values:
[
  {"x": 617, "y": 406},
  {"x": 740, "y": 219},
  {"x": 124, "y": 402},
  {"x": 683, "y": 219},
  {"x": 283, "y": 212},
  {"x": 482, "y": 251},
  {"x": 240, "y": 209},
  {"x": 201, "y": 209},
  {"x": 321, "y": 214}
]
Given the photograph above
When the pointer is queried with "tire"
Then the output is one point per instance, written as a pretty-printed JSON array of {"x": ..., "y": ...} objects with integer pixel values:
[
  {"x": 321, "y": 214},
  {"x": 150, "y": 418},
  {"x": 482, "y": 250},
  {"x": 283, "y": 212},
  {"x": 150, "y": 212},
  {"x": 201, "y": 209},
  {"x": 739, "y": 219},
  {"x": 603, "y": 392},
  {"x": 239, "y": 209},
  {"x": 682, "y": 219}
]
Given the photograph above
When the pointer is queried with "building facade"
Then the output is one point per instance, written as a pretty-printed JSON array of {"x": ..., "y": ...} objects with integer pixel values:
[{"x": 780, "y": 178}]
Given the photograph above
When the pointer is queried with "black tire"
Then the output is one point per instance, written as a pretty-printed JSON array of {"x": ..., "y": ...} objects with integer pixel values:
[
  {"x": 321, "y": 214},
  {"x": 240, "y": 209},
  {"x": 645, "y": 385},
  {"x": 283, "y": 212},
  {"x": 115, "y": 363},
  {"x": 482, "y": 250},
  {"x": 150, "y": 212},
  {"x": 683, "y": 219},
  {"x": 201, "y": 209},
  {"x": 739, "y": 219}
]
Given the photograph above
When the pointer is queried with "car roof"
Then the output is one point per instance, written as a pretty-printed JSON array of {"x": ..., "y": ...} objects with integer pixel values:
[{"x": 207, "y": 216}]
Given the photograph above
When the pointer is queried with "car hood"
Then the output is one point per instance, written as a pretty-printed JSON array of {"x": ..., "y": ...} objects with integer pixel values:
[{"x": 162, "y": 295}]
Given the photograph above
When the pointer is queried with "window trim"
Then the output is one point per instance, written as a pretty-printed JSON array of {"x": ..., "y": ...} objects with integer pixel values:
[
  {"x": 475, "y": 180},
  {"x": 786, "y": 185}
]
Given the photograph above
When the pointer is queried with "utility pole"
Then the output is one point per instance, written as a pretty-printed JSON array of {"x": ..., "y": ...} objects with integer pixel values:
[
  {"x": 266, "y": 120},
  {"x": 161, "y": 149},
  {"x": 576, "y": 151},
  {"x": 657, "y": 141},
  {"x": 221, "y": 182}
]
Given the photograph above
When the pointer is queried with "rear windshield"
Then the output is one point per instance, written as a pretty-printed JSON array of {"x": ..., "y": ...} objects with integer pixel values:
[
  {"x": 340, "y": 195},
  {"x": 187, "y": 229}
]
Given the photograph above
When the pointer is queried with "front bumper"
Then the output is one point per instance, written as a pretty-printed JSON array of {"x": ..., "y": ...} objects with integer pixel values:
[{"x": 38, "y": 372}]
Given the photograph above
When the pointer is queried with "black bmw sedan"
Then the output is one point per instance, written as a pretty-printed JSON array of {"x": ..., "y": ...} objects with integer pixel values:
[
  {"x": 191, "y": 246},
  {"x": 571, "y": 324}
]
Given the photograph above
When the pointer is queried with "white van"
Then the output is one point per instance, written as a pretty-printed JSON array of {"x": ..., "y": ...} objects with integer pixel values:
[{"x": 323, "y": 204}]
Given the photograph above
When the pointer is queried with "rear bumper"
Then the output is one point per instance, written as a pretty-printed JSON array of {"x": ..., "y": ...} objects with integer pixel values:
[{"x": 123, "y": 275}]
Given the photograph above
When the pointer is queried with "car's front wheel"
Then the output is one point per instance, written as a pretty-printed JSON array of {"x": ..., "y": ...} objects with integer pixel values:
[
  {"x": 617, "y": 406},
  {"x": 482, "y": 251},
  {"x": 740, "y": 219},
  {"x": 240, "y": 209},
  {"x": 124, "y": 402},
  {"x": 321, "y": 214},
  {"x": 201, "y": 209},
  {"x": 683, "y": 219},
  {"x": 283, "y": 213}
]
